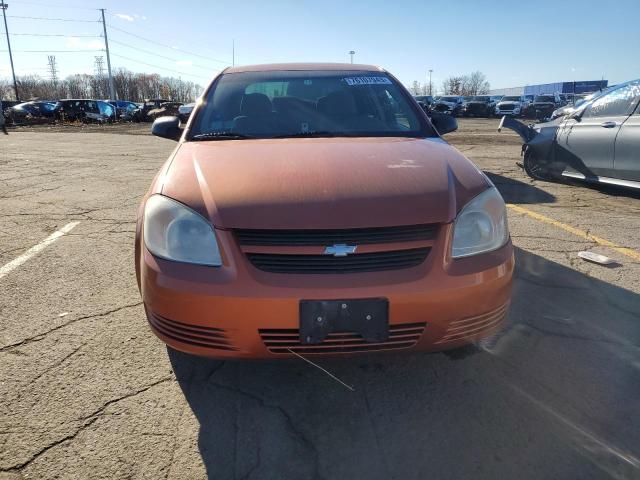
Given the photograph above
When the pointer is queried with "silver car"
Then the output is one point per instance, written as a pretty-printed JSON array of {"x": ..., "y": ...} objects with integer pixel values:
[{"x": 599, "y": 142}]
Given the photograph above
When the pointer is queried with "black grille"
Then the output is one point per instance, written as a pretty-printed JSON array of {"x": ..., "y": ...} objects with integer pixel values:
[
  {"x": 360, "y": 262},
  {"x": 358, "y": 236},
  {"x": 507, "y": 107},
  {"x": 282, "y": 339}
]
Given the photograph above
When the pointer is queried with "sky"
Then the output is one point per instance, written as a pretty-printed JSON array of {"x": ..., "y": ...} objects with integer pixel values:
[{"x": 513, "y": 43}]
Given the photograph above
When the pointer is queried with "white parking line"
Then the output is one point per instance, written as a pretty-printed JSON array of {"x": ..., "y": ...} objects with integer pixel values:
[{"x": 13, "y": 264}]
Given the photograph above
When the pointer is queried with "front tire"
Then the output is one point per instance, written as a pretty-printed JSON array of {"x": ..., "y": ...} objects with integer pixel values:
[{"x": 535, "y": 168}]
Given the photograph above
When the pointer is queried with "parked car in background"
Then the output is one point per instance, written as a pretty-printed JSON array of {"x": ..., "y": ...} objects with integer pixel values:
[
  {"x": 579, "y": 101},
  {"x": 271, "y": 205},
  {"x": 527, "y": 100},
  {"x": 85, "y": 110},
  {"x": 31, "y": 113},
  {"x": 449, "y": 104},
  {"x": 7, "y": 104},
  {"x": 496, "y": 98},
  {"x": 478, "y": 106},
  {"x": 127, "y": 111},
  {"x": 598, "y": 142},
  {"x": 184, "y": 111},
  {"x": 543, "y": 106},
  {"x": 510, "y": 105},
  {"x": 428, "y": 100},
  {"x": 154, "y": 108}
]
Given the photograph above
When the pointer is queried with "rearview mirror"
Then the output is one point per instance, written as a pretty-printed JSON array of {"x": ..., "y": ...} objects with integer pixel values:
[
  {"x": 167, "y": 127},
  {"x": 444, "y": 123}
]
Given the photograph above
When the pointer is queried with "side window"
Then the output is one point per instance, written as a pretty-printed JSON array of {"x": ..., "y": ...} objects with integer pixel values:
[{"x": 620, "y": 102}]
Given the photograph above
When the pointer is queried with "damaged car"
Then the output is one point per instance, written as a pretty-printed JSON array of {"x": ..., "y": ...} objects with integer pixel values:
[
  {"x": 598, "y": 143},
  {"x": 31, "y": 113},
  {"x": 478, "y": 106},
  {"x": 543, "y": 106},
  {"x": 448, "y": 104}
]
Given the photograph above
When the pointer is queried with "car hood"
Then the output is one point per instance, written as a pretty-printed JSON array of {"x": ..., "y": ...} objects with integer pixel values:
[
  {"x": 509, "y": 103},
  {"x": 448, "y": 104},
  {"x": 322, "y": 183}
]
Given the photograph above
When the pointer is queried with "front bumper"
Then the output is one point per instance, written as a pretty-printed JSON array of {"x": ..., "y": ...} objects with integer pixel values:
[
  {"x": 508, "y": 112},
  {"x": 238, "y": 311}
]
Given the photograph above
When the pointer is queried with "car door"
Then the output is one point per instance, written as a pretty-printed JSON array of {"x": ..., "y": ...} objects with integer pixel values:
[
  {"x": 626, "y": 162},
  {"x": 586, "y": 144}
]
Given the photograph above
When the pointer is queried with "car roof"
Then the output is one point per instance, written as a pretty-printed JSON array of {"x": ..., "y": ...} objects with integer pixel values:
[{"x": 303, "y": 67}]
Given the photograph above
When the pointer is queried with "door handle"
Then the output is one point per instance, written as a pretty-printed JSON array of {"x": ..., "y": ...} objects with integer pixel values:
[{"x": 608, "y": 124}]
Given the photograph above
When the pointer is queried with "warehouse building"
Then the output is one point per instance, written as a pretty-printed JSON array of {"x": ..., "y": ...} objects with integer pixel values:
[{"x": 584, "y": 86}]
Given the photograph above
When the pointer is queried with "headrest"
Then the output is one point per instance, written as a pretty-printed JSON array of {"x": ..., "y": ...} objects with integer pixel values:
[
  {"x": 337, "y": 104},
  {"x": 255, "y": 104}
]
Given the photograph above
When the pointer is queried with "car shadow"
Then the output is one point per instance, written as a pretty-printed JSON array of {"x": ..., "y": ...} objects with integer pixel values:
[
  {"x": 553, "y": 394},
  {"x": 515, "y": 191}
]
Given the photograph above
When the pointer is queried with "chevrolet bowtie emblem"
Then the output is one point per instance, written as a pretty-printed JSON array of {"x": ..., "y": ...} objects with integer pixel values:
[{"x": 340, "y": 250}]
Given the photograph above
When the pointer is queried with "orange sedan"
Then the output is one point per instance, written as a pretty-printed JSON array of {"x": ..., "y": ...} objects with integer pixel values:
[{"x": 315, "y": 209}]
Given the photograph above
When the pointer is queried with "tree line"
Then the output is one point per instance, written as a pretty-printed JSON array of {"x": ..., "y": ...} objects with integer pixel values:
[
  {"x": 129, "y": 86},
  {"x": 474, "y": 83}
]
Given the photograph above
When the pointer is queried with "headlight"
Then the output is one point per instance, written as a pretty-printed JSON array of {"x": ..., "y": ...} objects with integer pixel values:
[
  {"x": 481, "y": 226},
  {"x": 175, "y": 232}
]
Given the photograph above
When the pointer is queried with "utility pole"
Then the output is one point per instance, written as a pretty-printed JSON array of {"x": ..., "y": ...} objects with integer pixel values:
[
  {"x": 4, "y": 7},
  {"x": 112, "y": 89},
  {"x": 352, "y": 53},
  {"x": 430, "y": 84}
]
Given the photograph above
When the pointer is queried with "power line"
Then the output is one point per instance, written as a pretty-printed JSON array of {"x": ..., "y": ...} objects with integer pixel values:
[
  {"x": 158, "y": 67},
  {"x": 52, "y": 19},
  {"x": 54, "y": 51},
  {"x": 57, "y": 5},
  {"x": 168, "y": 46},
  {"x": 156, "y": 54},
  {"x": 53, "y": 35}
]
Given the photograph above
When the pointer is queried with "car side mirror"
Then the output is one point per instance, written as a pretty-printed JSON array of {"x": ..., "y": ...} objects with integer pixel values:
[
  {"x": 444, "y": 123},
  {"x": 167, "y": 127}
]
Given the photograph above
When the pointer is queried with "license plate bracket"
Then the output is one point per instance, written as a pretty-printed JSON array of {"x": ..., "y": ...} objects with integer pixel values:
[{"x": 369, "y": 317}]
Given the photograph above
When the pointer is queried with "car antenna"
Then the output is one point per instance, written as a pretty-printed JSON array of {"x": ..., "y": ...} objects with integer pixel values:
[{"x": 325, "y": 371}]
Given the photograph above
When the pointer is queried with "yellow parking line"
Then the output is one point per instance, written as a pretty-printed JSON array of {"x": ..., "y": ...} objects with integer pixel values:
[{"x": 629, "y": 252}]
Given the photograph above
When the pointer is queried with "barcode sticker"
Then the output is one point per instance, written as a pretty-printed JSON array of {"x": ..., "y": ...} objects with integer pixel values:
[{"x": 367, "y": 81}]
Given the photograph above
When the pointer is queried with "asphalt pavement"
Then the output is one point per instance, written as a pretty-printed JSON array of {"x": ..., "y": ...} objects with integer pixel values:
[{"x": 87, "y": 391}]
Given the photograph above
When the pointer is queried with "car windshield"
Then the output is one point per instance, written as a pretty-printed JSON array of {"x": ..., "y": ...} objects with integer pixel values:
[
  {"x": 481, "y": 99},
  {"x": 545, "y": 98},
  {"x": 306, "y": 103},
  {"x": 510, "y": 99},
  {"x": 449, "y": 99}
]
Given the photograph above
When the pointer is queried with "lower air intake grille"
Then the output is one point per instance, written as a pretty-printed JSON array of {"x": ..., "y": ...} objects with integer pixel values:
[
  {"x": 207, "y": 337},
  {"x": 359, "y": 262},
  {"x": 400, "y": 336},
  {"x": 471, "y": 326}
]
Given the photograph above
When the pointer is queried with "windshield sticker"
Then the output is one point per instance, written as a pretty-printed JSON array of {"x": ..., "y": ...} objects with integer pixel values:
[{"x": 367, "y": 81}]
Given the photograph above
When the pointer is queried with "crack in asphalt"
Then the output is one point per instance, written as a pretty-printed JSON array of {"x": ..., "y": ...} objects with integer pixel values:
[
  {"x": 86, "y": 422},
  {"x": 296, "y": 433},
  {"x": 40, "y": 336}
]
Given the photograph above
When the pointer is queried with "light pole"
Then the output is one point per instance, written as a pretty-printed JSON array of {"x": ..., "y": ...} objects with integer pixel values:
[
  {"x": 352, "y": 53},
  {"x": 4, "y": 6},
  {"x": 430, "y": 85}
]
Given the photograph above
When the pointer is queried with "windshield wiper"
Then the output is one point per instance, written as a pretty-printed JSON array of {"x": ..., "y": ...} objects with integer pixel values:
[{"x": 220, "y": 136}]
